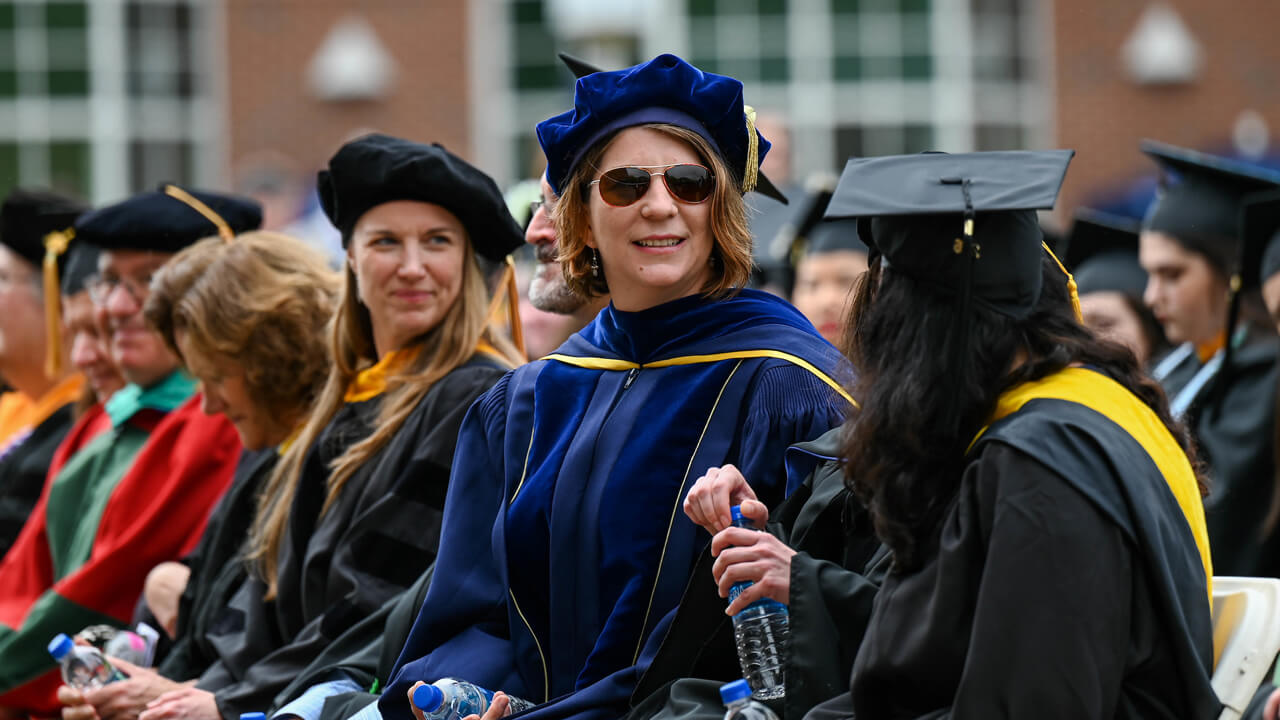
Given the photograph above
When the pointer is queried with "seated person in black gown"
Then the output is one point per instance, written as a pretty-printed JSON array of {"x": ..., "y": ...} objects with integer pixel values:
[{"x": 1050, "y": 554}]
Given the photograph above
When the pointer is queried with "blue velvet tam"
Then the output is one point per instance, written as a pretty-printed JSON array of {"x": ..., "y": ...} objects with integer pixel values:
[
  {"x": 664, "y": 90},
  {"x": 167, "y": 220}
]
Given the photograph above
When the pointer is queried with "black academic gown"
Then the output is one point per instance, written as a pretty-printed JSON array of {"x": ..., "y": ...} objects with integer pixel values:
[
  {"x": 337, "y": 567},
  {"x": 22, "y": 473},
  {"x": 1234, "y": 426},
  {"x": 835, "y": 574},
  {"x": 217, "y": 569},
  {"x": 1066, "y": 584},
  {"x": 364, "y": 654}
]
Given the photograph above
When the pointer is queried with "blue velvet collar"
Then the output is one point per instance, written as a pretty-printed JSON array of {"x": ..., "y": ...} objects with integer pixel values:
[{"x": 679, "y": 326}]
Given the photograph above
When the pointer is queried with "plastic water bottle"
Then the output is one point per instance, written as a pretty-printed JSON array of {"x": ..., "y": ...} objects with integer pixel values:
[
  {"x": 452, "y": 699},
  {"x": 127, "y": 646},
  {"x": 762, "y": 632},
  {"x": 739, "y": 705},
  {"x": 83, "y": 667}
]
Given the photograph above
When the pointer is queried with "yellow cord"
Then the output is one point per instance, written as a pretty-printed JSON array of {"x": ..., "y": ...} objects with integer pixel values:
[
  {"x": 752, "y": 170},
  {"x": 1071, "y": 283},
  {"x": 55, "y": 244},
  {"x": 224, "y": 230}
]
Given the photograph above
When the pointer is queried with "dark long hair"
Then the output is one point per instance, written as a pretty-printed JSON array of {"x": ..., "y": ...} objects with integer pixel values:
[{"x": 904, "y": 457}]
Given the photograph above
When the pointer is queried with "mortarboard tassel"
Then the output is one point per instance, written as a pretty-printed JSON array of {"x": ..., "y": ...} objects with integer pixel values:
[
  {"x": 508, "y": 292},
  {"x": 1072, "y": 289},
  {"x": 224, "y": 230},
  {"x": 55, "y": 244},
  {"x": 751, "y": 172},
  {"x": 1218, "y": 386}
]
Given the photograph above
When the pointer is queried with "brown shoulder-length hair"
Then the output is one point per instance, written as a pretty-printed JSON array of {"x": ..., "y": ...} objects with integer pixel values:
[
  {"x": 442, "y": 349},
  {"x": 730, "y": 233},
  {"x": 261, "y": 302}
]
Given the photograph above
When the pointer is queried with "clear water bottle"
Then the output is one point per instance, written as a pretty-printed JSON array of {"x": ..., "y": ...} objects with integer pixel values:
[
  {"x": 83, "y": 667},
  {"x": 127, "y": 646},
  {"x": 739, "y": 705},
  {"x": 762, "y": 633},
  {"x": 452, "y": 699}
]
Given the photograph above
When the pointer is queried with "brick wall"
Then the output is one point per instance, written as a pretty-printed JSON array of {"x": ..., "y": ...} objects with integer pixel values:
[
  {"x": 1103, "y": 114},
  {"x": 270, "y": 109}
]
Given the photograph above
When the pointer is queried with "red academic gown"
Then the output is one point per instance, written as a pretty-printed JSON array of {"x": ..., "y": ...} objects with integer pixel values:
[
  {"x": 156, "y": 513},
  {"x": 86, "y": 428}
]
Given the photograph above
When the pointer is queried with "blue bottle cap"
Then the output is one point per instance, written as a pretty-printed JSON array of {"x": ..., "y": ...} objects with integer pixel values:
[
  {"x": 253, "y": 716},
  {"x": 60, "y": 645},
  {"x": 735, "y": 691},
  {"x": 428, "y": 698}
]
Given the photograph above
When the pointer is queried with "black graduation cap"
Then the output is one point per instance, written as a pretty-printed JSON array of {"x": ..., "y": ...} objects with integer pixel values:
[
  {"x": 1199, "y": 206},
  {"x": 29, "y": 215},
  {"x": 81, "y": 262},
  {"x": 1260, "y": 238},
  {"x": 581, "y": 68},
  {"x": 1102, "y": 252},
  {"x": 964, "y": 223},
  {"x": 168, "y": 219},
  {"x": 376, "y": 169}
]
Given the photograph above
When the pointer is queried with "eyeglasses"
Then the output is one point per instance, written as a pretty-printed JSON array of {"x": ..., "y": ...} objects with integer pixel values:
[
  {"x": 100, "y": 288},
  {"x": 687, "y": 183}
]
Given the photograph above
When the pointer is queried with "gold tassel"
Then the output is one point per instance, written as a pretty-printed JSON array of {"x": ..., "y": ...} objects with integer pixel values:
[
  {"x": 513, "y": 308},
  {"x": 55, "y": 244},
  {"x": 508, "y": 292},
  {"x": 1071, "y": 284},
  {"x": 224, "y": 230},
  {"x": 751, "y": 172}
]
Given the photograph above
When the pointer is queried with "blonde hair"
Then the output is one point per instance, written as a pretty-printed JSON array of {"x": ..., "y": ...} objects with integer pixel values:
[
  {"x": 448, "y": 345},
  {"x": 730, "y": 233}
]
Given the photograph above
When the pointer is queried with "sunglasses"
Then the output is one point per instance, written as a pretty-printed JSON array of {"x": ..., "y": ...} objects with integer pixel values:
[{"x": 687, "y": 183}]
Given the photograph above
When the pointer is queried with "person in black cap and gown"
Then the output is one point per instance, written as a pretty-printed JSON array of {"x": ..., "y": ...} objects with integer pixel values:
[
  {"x": 1223, "y": 374},
  {"x": 351, "y": 516},
  {"x": 1102, "y": 254},
  {"x": 1044, "y": 516},
  {"x": 829, "y": 264},
  {"x": 32, "y": 350},
  {"x": 136, "y": 495},
  {"x": 565, "y": 554}
]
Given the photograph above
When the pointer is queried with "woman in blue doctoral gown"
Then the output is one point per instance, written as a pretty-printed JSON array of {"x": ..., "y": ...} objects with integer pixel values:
[{"x": 564, "y": 552}]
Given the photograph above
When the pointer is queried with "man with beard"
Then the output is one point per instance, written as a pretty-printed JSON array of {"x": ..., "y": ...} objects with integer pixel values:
[{"x": 557, "y": 311}]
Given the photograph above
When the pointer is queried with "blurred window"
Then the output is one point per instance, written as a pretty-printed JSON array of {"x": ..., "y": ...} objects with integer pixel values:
[{"x": 82, "y": 80}]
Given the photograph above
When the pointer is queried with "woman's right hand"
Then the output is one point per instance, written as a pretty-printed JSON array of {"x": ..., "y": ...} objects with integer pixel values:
[
  {"x": 163, "y": 592},
  {"x": 123, "y": 700},
  {"x": 708, "y": 502},
  {"x": 499, "y": 708}
]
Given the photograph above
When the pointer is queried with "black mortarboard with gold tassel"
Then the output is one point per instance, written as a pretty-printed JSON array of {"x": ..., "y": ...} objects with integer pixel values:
[{"x": 36, "y": 224}]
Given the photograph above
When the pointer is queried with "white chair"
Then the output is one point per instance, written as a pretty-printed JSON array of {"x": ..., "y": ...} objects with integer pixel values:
[{"x": 1246, "y": 638}]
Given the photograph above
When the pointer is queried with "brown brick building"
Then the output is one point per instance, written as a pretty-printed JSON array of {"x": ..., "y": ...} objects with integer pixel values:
[
  {"x": 1102, "y": 112},
  {"x": 273, "y": 105}
]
